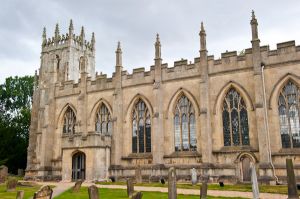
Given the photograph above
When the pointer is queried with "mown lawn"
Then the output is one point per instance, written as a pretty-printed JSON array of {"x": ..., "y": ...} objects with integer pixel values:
[
  {"x": 121, "y": 193},
  {"x": 28, "y": 192},
  {"x": 279, "y": 189}
]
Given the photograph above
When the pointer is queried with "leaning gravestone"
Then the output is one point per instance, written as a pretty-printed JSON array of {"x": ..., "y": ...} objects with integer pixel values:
[
  {"x": 20, "y": 194},
  {"x": 172, "y": 191},
  {"x": 203, "y": 190},
  {"x": 130, "y": 187},
  {"x": 3, "y": 173},
  {"x": 93, "y": 192},
  {"x": 45, "y": 192},
  {"x": 11, "y": 184},
  {"x": 292, "y": 186},
  {"x": 255, "y": 189},
  {"x": 137, "y": 195},
  {"x": 194, "y": 176},
  {"x": 77, "y": 186},
  {"x": 138, "y": 175}
]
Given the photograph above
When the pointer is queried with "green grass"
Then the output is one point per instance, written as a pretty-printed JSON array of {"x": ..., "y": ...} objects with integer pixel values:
[
  {"x": 120, "y": 193},
  {"x": 278, "y": 189},
  {"x": 28, "y": 192}
]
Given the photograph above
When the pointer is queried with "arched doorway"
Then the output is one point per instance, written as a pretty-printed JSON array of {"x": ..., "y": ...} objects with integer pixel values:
[{"x": 78, "y": 166}]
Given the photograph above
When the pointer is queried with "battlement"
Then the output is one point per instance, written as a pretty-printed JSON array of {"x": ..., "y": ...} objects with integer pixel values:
[{"x": 67, "y": 39}]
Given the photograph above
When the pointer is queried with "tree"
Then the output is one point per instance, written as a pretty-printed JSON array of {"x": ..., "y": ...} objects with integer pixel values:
[{"x": 15, "y": 107}]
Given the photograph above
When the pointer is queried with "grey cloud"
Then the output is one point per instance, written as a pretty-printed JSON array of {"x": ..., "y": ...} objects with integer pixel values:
[{"x": 135, "y": 23}]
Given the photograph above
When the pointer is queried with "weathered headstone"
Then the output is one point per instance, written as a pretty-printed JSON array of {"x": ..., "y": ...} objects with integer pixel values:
[
  {"x": 172, "y": 191},
  {"x": 255, "y": 189},
  {"x": 292, "y": 186},
  {"x": 45, "y": 192},
  {"x": 20, "y": 172},
  {"x": 194, "y": 176},
  {"x": 130, "y": 187},
  {"x": 93, "y": 192},
  {"x": 11, "y": 184},
  {"x": 3, "y": 173},
  {"x": 20, "y": 194},
  {"x": 137, "y": 195},
  {"x": 138, "y": 175},
  {"x": 203, "y": 190},
  {"x": 77, "y": 186}
]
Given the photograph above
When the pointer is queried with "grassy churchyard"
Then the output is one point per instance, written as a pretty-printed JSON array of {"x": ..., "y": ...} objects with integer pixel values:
[
  {"x": 28, "y": 191},
  {"x": 121, "y": 193}
]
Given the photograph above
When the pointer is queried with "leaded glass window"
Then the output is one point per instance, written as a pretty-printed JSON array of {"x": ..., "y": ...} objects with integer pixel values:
[
  {"x": 185, "y": 125},
  {"x": 141, "y": 128},
  {"x": 288, "y": 108},
  {"x": 103, "y": 123},
  {"x": 69, "y": 121},
  {"x": 235, "y": 120}
]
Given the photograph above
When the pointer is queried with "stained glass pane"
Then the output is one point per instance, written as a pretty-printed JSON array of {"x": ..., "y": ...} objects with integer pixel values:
[
  {"x": 141, "y": 136},
  {"x": 193, "y": 139},
  {"x": 69, "y": 121},
  {"x": 226, "y": 128},
  {"x": 244, "y": 127},
  {"x": 134, "y": 136},
  {"x": 102, "y": 120},
  {"x": 177, "y": 133},
  {"x": 185, "y": 133},
  {"x": 295, "y": 128},
  {"x": 148, "y": 135},
  {"x": 235, "y": 127}
]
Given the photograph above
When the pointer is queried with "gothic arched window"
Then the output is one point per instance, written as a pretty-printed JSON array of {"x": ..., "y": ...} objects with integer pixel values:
[
  {"x": 235, "y": 120},
  {"x": 103, "y": 122},
  {"x": 141, "y": 128},
  {"x": 69, "y": 121},
  {"x": 288, "y": 108},
  {"x": 185, "y": 125}
]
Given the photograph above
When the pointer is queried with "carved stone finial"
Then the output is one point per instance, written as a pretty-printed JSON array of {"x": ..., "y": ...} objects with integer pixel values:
[
  {"x": 157, "y": 47},
  {"x": 202, "y": 38},
  {"x": 254, "y": 25},
  {"x": 56, "y": 30},
  {"x": 82, "y": 35},
  {"x": 93, "y": 41},
  {"x": 44, "y": 37},
  {"x": 119, "y": 55},
  {"x": 71, "y": 27}
]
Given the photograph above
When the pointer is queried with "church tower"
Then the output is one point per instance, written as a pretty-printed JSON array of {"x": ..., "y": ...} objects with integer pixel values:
[{"x": 60, "y": 58}]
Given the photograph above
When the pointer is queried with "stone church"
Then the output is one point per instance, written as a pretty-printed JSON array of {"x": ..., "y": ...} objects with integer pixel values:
[{"x": 219, "y": 116}]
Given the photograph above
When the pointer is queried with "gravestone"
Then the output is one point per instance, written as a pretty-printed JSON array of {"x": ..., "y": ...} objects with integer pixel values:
[
  {"x": 255, "y": 189},
  {"x": 137, "y": 195},
  {"x": 292, "y": 187},
  {"x": 3, "y": 173},
  {"x": 203, "y": 190},
  {"x": 194, "y": 176},
  {"x": 11, "y": 184},
  {"x": 45, "y": 192},
  {"x": 20, "y": 194},
  {"x": 130, "y": 187},
  {"x": 93, "y": 192},
  {"x": 77, "y": 186},
  {"x": 138, "y": 175},
  {"x": 172, "y": 191},
  {"x": 20, "y": 172}
]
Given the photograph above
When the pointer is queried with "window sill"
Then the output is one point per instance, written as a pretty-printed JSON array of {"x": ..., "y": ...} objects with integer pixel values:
[
  {"x": 287, "y": 151},
  {"x": 138, "y": 156},
  {"x": 234, "y": 149},
  {"x": 183, "y": 154}
]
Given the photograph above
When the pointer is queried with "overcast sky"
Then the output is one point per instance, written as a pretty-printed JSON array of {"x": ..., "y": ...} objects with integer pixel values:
[{"x": 135, "y": 23}]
